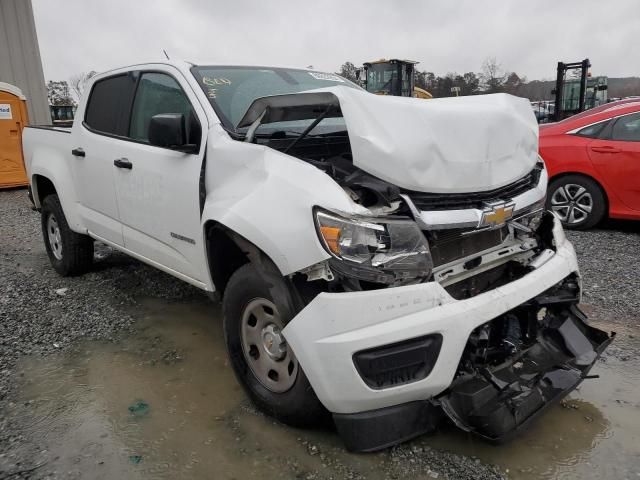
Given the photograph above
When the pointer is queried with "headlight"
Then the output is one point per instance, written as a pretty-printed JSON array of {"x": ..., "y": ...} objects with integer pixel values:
[{"x": 375, "y": 249}]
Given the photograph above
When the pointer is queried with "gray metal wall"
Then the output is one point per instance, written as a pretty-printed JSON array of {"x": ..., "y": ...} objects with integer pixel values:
[{"x": 20, "y": 62}]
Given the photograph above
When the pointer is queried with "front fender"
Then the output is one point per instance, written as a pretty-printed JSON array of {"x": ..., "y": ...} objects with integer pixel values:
[{"x": 267, "y": 197}]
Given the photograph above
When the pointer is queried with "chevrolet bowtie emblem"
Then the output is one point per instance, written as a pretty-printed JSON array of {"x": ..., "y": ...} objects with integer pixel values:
[{"x": 496, "y": 214}]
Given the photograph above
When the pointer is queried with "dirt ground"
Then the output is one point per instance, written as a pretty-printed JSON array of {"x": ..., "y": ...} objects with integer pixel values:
[{"x": 122, "y": 373}]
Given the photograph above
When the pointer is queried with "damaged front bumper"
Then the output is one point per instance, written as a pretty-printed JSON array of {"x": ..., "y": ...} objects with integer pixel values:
[
  {"x": 387, "y": 362},
  {"x": 498, "y": 401}
]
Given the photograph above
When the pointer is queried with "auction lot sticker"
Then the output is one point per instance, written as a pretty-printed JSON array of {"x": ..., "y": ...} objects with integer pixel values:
[{"x": 5, "y": 111}]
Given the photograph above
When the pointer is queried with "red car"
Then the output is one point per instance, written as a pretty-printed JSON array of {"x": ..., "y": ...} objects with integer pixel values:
[{"x": 593, "y": 161}]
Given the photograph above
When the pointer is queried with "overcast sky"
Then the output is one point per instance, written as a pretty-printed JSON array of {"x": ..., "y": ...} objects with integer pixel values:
[{"x": 528, "y": 37}]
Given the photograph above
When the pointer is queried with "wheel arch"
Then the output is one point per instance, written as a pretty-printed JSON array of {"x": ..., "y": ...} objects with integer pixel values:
[
  {"x": 41, "y": 187},
  {"x": 46, "y": 181},
  {"x": 227, "y": 251}
]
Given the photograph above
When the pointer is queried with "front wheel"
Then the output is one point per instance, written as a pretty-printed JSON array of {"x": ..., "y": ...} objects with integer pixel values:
[
  {"x": 578, "y": 201},
  {"x": 265, "y": 365},
  {"x": 70, "y": 253}
]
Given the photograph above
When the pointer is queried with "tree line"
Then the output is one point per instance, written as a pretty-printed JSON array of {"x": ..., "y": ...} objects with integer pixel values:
[{"x": 491, "y": 79}]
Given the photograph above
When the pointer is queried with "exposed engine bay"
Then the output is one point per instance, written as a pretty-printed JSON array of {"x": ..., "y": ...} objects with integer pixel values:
[{"x": 331, "y": 153}]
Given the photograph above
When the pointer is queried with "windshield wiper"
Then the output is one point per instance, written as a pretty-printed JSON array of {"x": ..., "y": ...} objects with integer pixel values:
[{"x": 306, "y": 131}]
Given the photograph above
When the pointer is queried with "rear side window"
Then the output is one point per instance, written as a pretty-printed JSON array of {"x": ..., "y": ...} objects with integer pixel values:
[
  {"x": 160, "y": 93},
  {"x": 109, "y": 104},
  {"x": 627, "y": 129},
  {"x": 592, "y": 130}
]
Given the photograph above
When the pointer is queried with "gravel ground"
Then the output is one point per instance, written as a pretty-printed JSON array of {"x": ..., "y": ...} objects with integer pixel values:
[
  {"x": 41, "y": 312},
  {"x": 609, "y": 263}
]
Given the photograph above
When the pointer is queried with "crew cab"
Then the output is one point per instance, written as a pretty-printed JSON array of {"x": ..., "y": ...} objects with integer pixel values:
[{"x": 381, "y": 259}]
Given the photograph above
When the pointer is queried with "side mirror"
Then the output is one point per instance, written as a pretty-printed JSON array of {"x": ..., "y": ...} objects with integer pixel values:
[{"x": 168, "y": 130}]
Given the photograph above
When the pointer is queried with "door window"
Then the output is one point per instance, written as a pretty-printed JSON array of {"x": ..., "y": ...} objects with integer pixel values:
[
  {"x": 627, "y": 129},
  {"x": 592, "y": 130},
  {"x": 159, "y": 93},
  {"x": 109, "y": 104}
]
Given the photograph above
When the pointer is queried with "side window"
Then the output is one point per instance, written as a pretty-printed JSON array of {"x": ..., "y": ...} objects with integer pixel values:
[
  {"x": 592, "y": 130},
  {"x": 160, "y": 93},
  {"x": 109, "y": 104},
  {"x": 627, "y": 128}
]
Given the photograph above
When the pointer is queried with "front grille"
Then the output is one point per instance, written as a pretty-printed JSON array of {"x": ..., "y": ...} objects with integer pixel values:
[
  {"x": 460, "y": 201},
  {"x": 449, "y": 245}
]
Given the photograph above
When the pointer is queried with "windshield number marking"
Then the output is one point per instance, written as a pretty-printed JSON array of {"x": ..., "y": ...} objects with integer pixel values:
[
  {"x": 326, "y": 76},
  {"x": 215, "y": 81}
]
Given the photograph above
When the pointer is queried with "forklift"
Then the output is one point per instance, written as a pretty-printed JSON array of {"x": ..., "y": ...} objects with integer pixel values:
[
  {"x": 577, "y": 94},
  {"x": 391, "y": 77}
]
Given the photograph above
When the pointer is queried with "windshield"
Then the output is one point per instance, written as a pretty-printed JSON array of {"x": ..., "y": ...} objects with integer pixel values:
[{"x": 231, "y": 90}]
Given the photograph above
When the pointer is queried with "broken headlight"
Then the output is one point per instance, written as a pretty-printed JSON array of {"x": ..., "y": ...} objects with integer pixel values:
[{"x": 375, "y": 249}]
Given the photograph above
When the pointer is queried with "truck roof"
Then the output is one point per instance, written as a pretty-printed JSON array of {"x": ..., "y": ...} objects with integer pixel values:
[{"x": 185, "y": 65}]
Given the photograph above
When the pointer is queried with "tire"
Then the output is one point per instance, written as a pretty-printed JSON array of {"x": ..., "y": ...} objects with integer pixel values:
[
  {"x": 70, "y": 253},
  {"x": 248, "y": 304},
  {"x": 579, "y": 201}
]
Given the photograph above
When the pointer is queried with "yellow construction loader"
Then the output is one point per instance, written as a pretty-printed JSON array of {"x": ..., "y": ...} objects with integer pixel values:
[{"x": 391, "y": 77}]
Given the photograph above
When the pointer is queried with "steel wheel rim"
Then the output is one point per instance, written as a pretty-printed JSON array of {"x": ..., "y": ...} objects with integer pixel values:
[
  {"x": 54, "y": 236},
  {"x": 572, "y": 203},
  {"x": 265, "y": 350}
]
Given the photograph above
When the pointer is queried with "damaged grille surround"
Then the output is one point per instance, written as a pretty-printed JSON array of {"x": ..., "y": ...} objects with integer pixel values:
[{"x": 460, "y": 201}]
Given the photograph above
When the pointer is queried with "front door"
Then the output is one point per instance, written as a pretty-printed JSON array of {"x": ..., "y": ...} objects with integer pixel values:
[
  {"x": 158, "y": 188},
  {"x": 12, "y": 120},
  {"x": 617, "y": 158}
]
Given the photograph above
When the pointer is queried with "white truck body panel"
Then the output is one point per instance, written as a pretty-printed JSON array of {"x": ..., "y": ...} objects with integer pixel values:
[
  {"x": 47, "y": 153},
  {"x": 252, "y": 190}
]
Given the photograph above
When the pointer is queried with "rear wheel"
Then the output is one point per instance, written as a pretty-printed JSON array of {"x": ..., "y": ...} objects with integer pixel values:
[
  {"x": 262, "y": 360},
  {"x": 578, "y": 201},
  {"x": 70, "y": 253}
]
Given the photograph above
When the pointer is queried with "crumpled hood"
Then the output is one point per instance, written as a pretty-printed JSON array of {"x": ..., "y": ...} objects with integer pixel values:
[{"x": 449, "y": 145}]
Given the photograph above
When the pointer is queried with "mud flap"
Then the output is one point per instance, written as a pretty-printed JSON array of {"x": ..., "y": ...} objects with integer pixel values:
[{"x": 496, "y": 402}]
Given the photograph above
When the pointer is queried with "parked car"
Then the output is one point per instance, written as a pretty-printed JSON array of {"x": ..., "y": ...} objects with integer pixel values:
[
  {"x": 380, "y": 258},
  {"x": 593, "y": 160}
]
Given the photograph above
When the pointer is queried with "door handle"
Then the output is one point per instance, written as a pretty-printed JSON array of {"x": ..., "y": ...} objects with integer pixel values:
[
  {"x": 123, "y": 163},
  {"x": 78, "y": 152},
  {"x": 605, "y": 149}
]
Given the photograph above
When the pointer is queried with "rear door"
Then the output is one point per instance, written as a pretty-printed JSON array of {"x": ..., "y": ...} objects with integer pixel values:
[
  {"x": 617, "y": 158},
  {"x": 158, "y": 188},
  {"x": 96, "y": 137}
]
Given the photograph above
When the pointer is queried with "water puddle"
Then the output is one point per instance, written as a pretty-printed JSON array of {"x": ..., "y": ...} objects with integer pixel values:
[{"x": 164, "y": 404}]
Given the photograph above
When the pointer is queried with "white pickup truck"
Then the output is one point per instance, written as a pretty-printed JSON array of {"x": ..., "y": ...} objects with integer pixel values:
[{"x": 386, "y": 260}]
